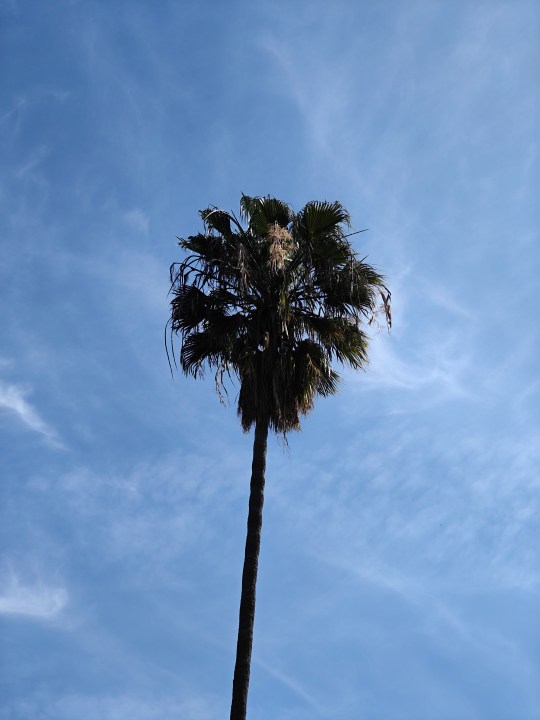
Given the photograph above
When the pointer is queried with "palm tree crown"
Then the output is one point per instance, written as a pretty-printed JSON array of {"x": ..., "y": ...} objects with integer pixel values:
[{"x": 274, "y": 301}]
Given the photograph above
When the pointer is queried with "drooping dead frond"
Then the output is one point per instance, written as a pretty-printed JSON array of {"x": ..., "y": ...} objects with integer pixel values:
[
  {"x": 242, "y": 266},
  {"x": 386, "y": 296},
  {"x": 382, "y": 308}
]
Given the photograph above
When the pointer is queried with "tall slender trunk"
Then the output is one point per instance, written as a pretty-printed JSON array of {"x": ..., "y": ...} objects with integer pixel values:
[{"x": 249, "y": 574}]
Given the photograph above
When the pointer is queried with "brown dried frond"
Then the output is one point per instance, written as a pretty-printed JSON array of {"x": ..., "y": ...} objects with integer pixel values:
[
  {"x": 383, "y": 309},
  {"x": 280, "y": 244},
  {"x": 386, "y": 296}
]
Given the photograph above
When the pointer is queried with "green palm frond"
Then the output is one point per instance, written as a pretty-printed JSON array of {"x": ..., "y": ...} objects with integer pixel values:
[
  {"x": 341, "y": 337},
  {"x": 270, "y": 211},
  {"x": 314, "y": 375},
  {"x": 323, "y": 217},
  {"x": 210, "y": 248},
  {"x": 188, "y": 308},
  {"x": 261, "y": 213},
  {"x": 200, "y": 349},
  {"x": 247, "y": 206},
  {"x": 216, "y": 219}
]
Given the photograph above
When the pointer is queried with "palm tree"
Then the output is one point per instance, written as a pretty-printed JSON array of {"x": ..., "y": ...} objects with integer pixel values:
[{"x": 271, "y": 299}]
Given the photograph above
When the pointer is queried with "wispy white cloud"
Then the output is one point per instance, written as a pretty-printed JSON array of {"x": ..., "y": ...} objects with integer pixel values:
[
  {"x": 138, "y": 220},
  {"x": 439, "y": 618},
  {"x": 13, "y": 115},
  {"x": 119, "y": 707},
  {"x": 148, "y": 289},
  {"x": 430, "y": 352},
  {"x": 441, "y": 298},
  {"x": 320, "y": 117},
  {"x": 34, "y": 160},
  {"x": 36, "y": 600},
  {"x": 291, "y": 684},
  {"x": 470, "y": 521},
  {"x": 13, "y": 398},
  {"x": 162, "y": 509},
  {"x": 432, "y": 375}
]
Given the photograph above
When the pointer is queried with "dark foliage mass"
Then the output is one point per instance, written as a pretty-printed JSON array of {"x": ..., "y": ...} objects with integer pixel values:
[{"x": 273, "y": 299}]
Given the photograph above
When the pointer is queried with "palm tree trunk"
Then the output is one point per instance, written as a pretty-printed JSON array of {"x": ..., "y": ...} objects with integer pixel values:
[{"x": 249, "y": 575}]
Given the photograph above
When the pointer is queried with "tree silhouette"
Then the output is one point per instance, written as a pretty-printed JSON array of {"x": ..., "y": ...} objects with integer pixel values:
[{"x": 274, "y": 299}]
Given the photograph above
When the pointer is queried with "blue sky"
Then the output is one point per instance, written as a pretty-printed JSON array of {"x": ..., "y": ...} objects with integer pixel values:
[{"x": 399, "y": 575}]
